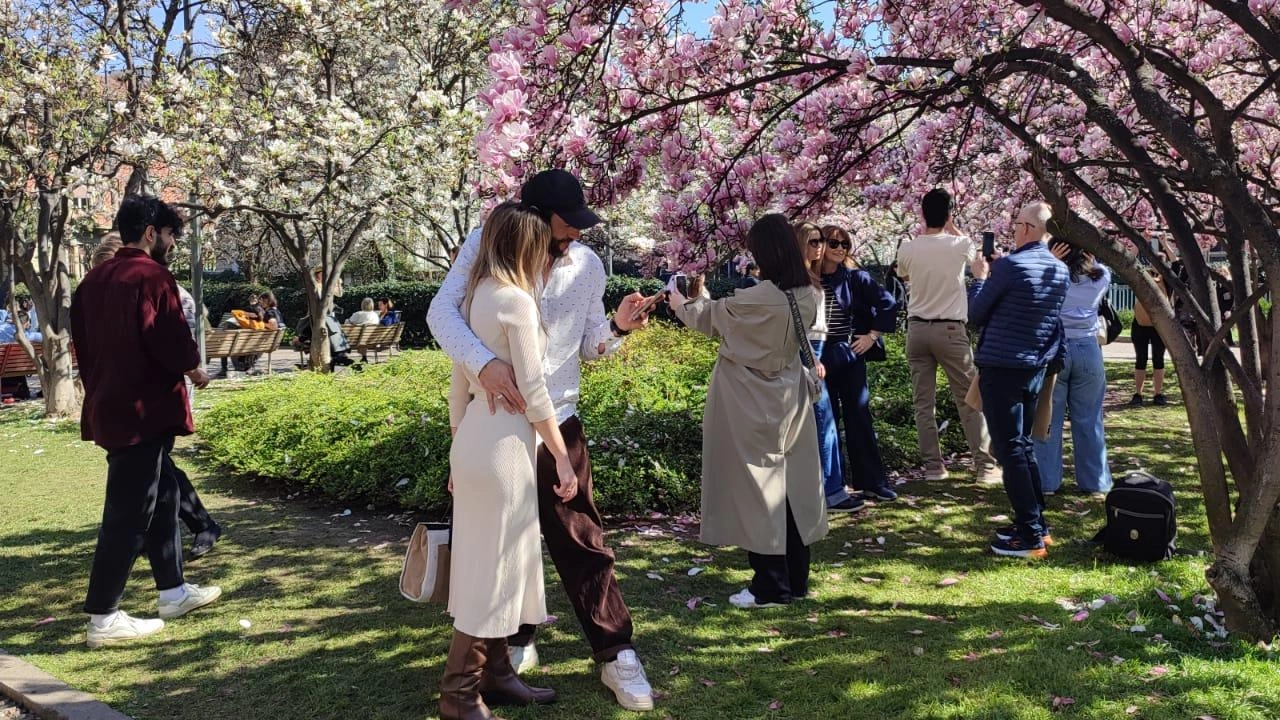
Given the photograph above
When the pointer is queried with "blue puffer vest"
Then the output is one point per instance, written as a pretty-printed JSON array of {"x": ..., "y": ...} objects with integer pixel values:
[{"x": 1018, "y": 309}]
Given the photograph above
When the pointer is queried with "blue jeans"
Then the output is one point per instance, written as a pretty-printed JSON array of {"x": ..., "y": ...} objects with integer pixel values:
[
  {"x": 828, "y": 443},
  {"x": 1080, "y": 390},
  {"x": 1009, "y": 404}
]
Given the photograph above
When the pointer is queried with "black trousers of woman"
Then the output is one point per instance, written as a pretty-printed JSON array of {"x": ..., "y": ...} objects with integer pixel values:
[
  {"x": 851, "y": 405},
  {"x": 782, "y": 578}
]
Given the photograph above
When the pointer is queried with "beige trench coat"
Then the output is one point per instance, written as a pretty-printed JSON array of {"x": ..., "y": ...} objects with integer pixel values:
[{"x": 759, "y": 440}]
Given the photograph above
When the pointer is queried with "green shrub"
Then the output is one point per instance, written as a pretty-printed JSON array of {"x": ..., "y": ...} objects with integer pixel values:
[
  {"x": 357, "y": 435},
  {"x": 643, "y": 411},
  {"x": 620, "y": 286},
  {"x": 893, "y": 405},
  {"x": 349, "y": 436}
]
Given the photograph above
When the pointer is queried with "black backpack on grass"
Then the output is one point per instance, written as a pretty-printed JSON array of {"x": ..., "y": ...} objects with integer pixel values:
[{"x": 1142, "y": 521}]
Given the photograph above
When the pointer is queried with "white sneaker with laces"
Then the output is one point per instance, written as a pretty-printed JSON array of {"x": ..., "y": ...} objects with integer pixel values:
[
  {"x": 625, "y": 677},
  {"x": 123, "y": 629},
  {"x": 523, "y": 657},
  {"x": 195, "y": 597},
  {"x": 936, "y": 474},
  {"x": 990, "y": 475},
  {"x": 746, "y": 601}
]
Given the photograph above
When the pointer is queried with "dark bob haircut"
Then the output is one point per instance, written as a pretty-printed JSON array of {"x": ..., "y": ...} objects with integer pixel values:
[{"x": 772, "y": 243}]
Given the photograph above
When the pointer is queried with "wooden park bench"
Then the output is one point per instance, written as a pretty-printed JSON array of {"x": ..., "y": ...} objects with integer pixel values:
[
  {"x": 376, "y": 338},
  {"x": 14, "y": 361},
  {"x": 220, "y": 344}
]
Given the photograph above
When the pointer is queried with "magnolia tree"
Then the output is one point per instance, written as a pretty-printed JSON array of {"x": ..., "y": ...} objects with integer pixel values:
[
  {"x": 334, "y": 118},
  {"x": 1126, "y": 116},
  {"x": 86, "y": 88}
]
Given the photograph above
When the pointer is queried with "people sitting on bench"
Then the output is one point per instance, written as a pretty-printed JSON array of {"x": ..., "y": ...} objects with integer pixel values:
[{"x": 338, "y": 345}]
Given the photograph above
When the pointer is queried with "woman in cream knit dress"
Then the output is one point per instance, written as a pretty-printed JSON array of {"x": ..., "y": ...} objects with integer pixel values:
[{"x": 496, "y": 568}]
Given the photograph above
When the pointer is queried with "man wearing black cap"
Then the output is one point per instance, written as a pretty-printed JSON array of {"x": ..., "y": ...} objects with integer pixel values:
[{"x": 577, "y": 329}]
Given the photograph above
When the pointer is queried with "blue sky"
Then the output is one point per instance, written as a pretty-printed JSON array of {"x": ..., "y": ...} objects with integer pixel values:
[{"x": 697, "y": 12}]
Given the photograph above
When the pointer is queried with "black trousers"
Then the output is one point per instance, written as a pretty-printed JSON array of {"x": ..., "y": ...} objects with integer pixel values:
[
  {"x": 575, "y": 541},
  {"x": 191, "y": 511},
  {"x": 140, "y": 514},
  {"x": 851, "y": 405},
  {"x": 782, "y": 578}
]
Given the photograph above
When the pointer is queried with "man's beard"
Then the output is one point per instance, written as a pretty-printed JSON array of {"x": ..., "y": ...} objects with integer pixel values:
[
  {"x": 558, "y": 247},
  {"x": 163, "y": 255}
]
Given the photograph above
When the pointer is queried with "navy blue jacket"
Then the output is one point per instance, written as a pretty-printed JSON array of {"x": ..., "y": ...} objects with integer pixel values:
[
  {"x": 869, "y": 306},
  {"x": 1018, "y": 308}
]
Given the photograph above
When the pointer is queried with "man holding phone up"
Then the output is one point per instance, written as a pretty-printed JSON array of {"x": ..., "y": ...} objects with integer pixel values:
[
  {"x": 937, "y": 312},
  {"x": 577, "y": 329}
]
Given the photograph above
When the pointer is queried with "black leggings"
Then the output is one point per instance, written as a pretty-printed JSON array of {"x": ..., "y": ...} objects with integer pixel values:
[{"x": 1144, "y": 335}]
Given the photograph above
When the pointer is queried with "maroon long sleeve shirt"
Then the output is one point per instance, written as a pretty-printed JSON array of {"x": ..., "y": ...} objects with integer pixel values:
[{"x": 134, "y": 347}]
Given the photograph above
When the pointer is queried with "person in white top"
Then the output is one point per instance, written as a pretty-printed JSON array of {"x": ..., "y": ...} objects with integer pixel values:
[
  {"x": 573, "y": 317},
  {"x": 366, "y": 315},
  {"x": 933, "y": 265},
  {"x": 809, "y": 236}
]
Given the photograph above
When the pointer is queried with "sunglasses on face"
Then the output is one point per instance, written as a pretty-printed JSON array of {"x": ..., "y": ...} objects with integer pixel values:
[
  {"x": 815, "y": 242},
  {"x": 834, "y": 243}
]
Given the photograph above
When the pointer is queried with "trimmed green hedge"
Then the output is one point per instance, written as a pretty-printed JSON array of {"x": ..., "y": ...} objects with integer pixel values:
[{"x": 383, "y": 434}]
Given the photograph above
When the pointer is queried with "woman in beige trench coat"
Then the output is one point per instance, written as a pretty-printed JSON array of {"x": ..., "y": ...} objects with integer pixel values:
[{"x": 761, "y": 477}]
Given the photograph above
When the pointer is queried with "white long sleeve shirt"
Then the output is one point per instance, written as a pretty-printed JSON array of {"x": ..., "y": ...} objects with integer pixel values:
[{"x": 573, "y": 317}]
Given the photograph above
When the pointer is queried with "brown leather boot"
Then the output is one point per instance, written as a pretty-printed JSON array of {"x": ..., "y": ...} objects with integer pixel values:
[
  {"x": 500, "y": 684},
  {"x": 460, "y": 687}
]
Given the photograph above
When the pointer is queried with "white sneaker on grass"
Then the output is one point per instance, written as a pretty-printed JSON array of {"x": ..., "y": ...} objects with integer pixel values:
[
  {"x": 625, "y": 677},
  {"x": 746, "y": 601},
  {"x": 991, "y": 475},
  {"x": 523, "y": 657},
  {"x": 123, "y": 629},
  {"x": 194, "y": 597}
]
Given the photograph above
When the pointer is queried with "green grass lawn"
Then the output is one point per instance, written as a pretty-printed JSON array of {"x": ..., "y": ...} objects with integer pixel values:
[{"x": 328, "y": 635}]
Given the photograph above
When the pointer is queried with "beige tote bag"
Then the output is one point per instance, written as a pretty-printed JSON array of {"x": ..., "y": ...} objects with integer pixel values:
[{"x": 425, "y": 577}]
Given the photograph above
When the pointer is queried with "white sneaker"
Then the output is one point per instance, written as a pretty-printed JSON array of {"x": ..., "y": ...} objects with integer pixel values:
[
  {"x": 746, "y": 601},
  {"x": 195, "y": 597},
  {"x": 991, "y": 476},
  {"x": 523, "y": 657},
  {"x": 123, "y": 629},
  {"x": 936, "y": 474},
  {"x": 625, "y": 677}
]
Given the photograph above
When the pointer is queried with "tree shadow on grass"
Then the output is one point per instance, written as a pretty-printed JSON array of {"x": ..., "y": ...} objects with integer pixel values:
[
  {"x": 339, "y": 642},
  {"x": 331, "y": 638}
]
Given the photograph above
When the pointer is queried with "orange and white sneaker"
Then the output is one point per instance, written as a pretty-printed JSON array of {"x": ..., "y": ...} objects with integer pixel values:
[{"x": 1017, "y": 547}]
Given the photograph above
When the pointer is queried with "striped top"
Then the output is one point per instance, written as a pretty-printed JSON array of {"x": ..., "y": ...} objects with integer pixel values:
[{"x": 838, "y": 323}]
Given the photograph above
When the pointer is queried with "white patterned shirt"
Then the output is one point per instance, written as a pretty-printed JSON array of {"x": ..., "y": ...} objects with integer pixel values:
[{"x": 573, "y": 318}]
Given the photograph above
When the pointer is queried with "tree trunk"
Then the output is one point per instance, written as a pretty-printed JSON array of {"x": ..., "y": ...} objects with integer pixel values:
[
  {"x": 62, "y": 395},
  {"x": 318, "y": 307}
]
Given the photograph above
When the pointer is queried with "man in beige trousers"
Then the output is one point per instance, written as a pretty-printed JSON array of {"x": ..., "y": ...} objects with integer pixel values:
[{"x": 933, "y": 264}]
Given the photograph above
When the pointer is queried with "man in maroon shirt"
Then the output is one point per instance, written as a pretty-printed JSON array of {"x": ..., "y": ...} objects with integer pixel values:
[{"x": 134, "y": 348}]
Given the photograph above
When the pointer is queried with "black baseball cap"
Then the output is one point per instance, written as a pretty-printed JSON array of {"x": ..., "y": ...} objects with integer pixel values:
[{"x": 558, "y": 191}]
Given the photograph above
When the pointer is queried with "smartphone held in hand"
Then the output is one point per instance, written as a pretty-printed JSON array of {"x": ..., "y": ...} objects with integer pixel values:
[
  {"x": 679, "y": 282},
  {"x": 988, "y": 244},
  {"x": 649, "y": 305}
]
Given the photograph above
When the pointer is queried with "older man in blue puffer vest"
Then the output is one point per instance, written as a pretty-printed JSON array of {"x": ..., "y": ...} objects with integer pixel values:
[{"x": 1017, "y": 308}]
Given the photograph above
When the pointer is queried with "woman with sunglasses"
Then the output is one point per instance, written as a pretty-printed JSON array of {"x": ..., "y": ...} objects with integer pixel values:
[
  {"x": 809, "y": 236},
  {"x": 859, "y": 311}
]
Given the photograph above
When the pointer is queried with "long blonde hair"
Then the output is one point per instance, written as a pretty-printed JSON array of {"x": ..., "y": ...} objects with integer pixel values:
[
  {"x": 106, "y": 249},
  {"x": 513, "y": 250},
  {"x": 803, "y": 231}
]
